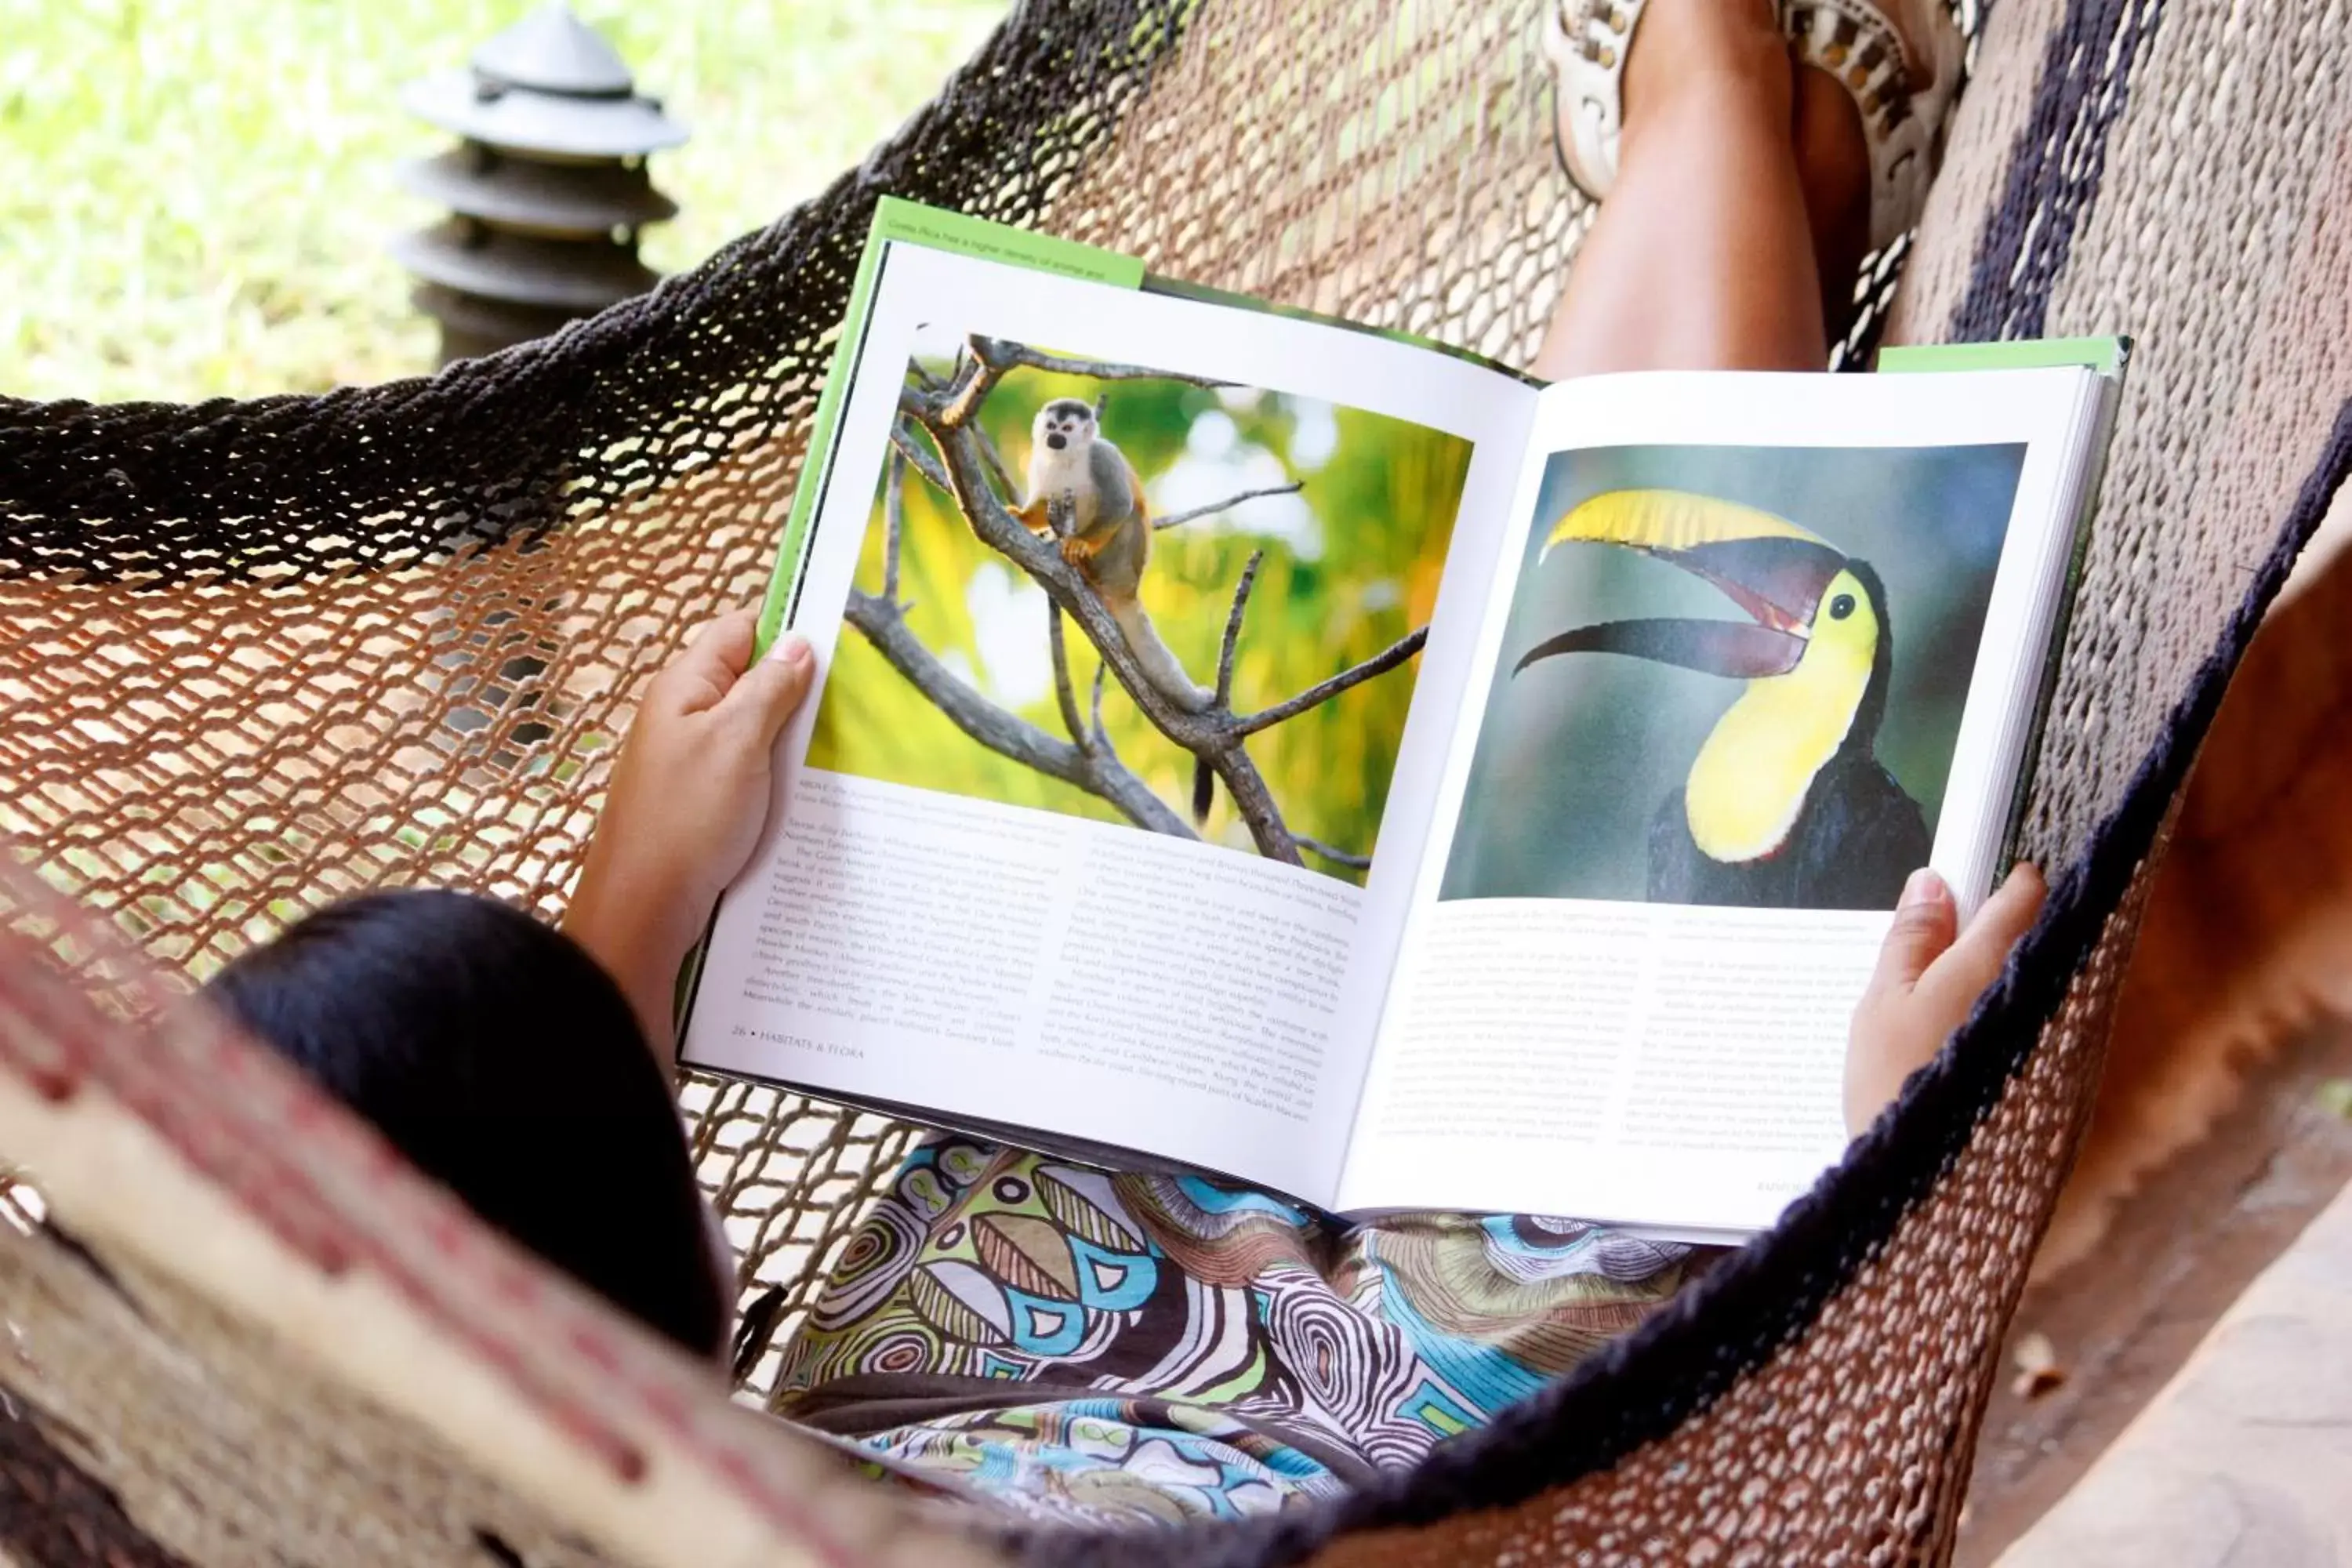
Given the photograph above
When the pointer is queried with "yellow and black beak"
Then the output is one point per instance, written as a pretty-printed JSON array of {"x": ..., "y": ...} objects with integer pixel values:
[{"x": 1769, "y": 567}]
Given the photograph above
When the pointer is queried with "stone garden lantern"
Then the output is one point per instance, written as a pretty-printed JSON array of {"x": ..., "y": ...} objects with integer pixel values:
[{"x": 547, "y": 189}]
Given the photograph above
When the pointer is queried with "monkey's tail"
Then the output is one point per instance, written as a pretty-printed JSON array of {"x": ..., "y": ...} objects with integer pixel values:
[
  {"x": 1166, "y": 672},
  {"x": 1160, "y": 667}
]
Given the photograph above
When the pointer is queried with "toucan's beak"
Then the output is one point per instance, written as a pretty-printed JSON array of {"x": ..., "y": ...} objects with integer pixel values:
[
  {"x": 1766, "y": 566},
  {"x": 1716, "y": 647}
]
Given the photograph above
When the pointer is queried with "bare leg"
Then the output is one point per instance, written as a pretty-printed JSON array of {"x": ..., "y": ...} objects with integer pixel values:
[
  {"x": 1739, "y": 176},
  {"x": 1834, "y": 164}
]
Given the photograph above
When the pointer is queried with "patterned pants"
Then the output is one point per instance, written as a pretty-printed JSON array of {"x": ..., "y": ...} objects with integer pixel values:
[{"x": 1118, "y": 1348}]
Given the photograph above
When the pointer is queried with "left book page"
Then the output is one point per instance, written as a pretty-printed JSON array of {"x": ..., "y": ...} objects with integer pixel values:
[{"x": 983, "y": 893}]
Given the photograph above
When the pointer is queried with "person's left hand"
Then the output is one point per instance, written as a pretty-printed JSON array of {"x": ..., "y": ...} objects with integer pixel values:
[
  {"x": 1929, "y": 975},
  {"x": 688, "y": 798}
]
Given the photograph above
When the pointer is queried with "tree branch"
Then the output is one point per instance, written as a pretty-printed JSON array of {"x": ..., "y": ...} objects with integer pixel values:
[
  {"x": 998, "y": 355},
  {"x": 1097, "y": 772},
  {"x": 996, "y": 469},
  {"x": 972, "y": 384},
  {"x": 1194, "y": 515},
  {"x": 902, "y": 436},
  {"x": 973, "y": 478},
  {"x": 1337, "y": 856},
  {"x": 894, "y": 522},
  {"x": 1380, "y": 663},
  {"x": 1041, "y": 560},
  {"x": 1233, "y": 627}
]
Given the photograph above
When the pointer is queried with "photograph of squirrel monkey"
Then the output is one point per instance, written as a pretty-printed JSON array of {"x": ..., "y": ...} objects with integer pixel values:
[
  {"x": 1311, "y": 533},
  {"x": 1110, "y": 530}
]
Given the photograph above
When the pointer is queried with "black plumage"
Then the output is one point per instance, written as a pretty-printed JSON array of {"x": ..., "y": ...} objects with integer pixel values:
[{"x": 1856, "y": 838}]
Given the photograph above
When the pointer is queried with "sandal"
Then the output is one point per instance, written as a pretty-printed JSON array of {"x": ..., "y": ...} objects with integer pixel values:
[
  {"x": 1899, "y": 59},
  {"x": 1586, "y": 41}
]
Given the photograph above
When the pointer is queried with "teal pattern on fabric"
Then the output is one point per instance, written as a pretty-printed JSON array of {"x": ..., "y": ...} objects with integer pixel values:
[{"x": 1201, "y": 1350}]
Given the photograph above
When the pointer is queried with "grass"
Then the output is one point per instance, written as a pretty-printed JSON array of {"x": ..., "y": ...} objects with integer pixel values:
[{"x": 197, "y": 191}]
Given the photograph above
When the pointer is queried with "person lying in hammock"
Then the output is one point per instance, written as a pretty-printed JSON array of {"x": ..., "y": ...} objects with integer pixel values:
[{"x": 1281, "y": 1355}]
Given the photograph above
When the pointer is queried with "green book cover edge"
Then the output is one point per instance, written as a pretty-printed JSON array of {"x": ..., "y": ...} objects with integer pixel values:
[{"x": 2106, "y": 355}]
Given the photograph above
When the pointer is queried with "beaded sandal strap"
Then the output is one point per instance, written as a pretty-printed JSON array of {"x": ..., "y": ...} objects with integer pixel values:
[
  {"x": 1900, "y": 81},
  {"x": 1854, "y": 42}
]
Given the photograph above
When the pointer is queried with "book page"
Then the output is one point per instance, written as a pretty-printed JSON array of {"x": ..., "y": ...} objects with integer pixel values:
[
  {"x": 1763, "y": 645},
  {"x": 985, "y": 890}
]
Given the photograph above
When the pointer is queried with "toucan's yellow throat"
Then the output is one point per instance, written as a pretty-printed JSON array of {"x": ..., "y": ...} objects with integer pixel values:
[
  {"x": 1759, "y": 763},
  {"x": 1814, "y": 653}
]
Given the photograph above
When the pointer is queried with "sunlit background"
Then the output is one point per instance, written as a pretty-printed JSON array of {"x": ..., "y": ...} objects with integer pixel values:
[{"x": 194, "y": 193}]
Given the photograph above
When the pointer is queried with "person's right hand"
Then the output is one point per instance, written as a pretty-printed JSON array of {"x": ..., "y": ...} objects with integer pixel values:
[{"x": 1929, "y": 975}]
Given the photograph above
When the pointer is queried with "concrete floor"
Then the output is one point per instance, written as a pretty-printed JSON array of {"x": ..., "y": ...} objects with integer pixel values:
[
  {"x": 2125, "y": 1321},
  {"x": 2245, "y": 1458}
]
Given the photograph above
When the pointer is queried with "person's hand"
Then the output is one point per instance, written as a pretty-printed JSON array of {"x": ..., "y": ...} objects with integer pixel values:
[
  {"x": 1929, "y": 975},
  {"x": 688, "y": 798}
]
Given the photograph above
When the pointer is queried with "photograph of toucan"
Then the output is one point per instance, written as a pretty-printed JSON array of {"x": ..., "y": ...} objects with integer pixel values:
[
  {"x": 1777, "y": 742},
  {"x": 1786, "y": 804}
]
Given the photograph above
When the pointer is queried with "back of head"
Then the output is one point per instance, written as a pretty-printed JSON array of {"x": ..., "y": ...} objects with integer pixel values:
[{"x": 502, "y": 1061}]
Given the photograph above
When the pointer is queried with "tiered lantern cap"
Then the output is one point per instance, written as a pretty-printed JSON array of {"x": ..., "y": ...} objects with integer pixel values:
[
  {"x": 548, "y": 85},
  {"x": 549, "y": 187}
]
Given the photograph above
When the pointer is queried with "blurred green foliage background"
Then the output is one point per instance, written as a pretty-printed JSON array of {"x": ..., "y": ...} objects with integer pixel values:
[
  {"x": 197, "y": 191},
  {"x": 1352, "y": 564},
  {"x": 1574, "y": 755}
]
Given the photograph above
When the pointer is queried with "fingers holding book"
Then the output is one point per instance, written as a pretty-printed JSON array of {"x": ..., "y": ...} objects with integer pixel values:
[{"x": 1930, "y": 973}]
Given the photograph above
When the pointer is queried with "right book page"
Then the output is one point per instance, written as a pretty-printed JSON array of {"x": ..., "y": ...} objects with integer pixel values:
[{"x": 1760, "y": 645}]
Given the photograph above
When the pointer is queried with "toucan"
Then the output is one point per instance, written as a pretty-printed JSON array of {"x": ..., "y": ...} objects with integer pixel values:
[{"x": 1786, "y": 805}]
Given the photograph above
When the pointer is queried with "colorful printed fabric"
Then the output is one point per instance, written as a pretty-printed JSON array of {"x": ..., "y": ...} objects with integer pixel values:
[{"x": 1131, "y": 1347}]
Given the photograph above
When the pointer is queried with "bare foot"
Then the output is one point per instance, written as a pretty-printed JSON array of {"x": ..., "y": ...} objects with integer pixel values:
[{"x": 1733, "y": 52}]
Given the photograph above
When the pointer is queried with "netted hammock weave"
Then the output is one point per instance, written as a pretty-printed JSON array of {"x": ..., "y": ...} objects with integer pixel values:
[{"x": 254, "y": 657}]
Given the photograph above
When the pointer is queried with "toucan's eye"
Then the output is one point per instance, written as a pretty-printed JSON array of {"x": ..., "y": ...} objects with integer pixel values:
[{"x": 1841, "y": 606}]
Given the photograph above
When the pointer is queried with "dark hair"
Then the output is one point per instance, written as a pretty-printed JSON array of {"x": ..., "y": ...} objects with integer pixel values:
[{"x": 503, "y": 1061}]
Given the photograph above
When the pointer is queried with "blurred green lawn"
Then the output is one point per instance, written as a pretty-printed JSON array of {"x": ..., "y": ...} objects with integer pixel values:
[{"x": 194, "y": 193}]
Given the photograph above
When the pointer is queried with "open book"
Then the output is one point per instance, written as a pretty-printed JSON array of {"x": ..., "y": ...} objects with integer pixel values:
[{"x": 1250, "y": 742}]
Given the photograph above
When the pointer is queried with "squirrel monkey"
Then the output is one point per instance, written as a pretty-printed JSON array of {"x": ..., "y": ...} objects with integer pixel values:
[{"x": 1110, "y": 530}]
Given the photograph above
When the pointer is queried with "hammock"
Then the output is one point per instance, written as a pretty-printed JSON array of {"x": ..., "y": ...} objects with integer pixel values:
[{"x": 257, "y": 657}]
